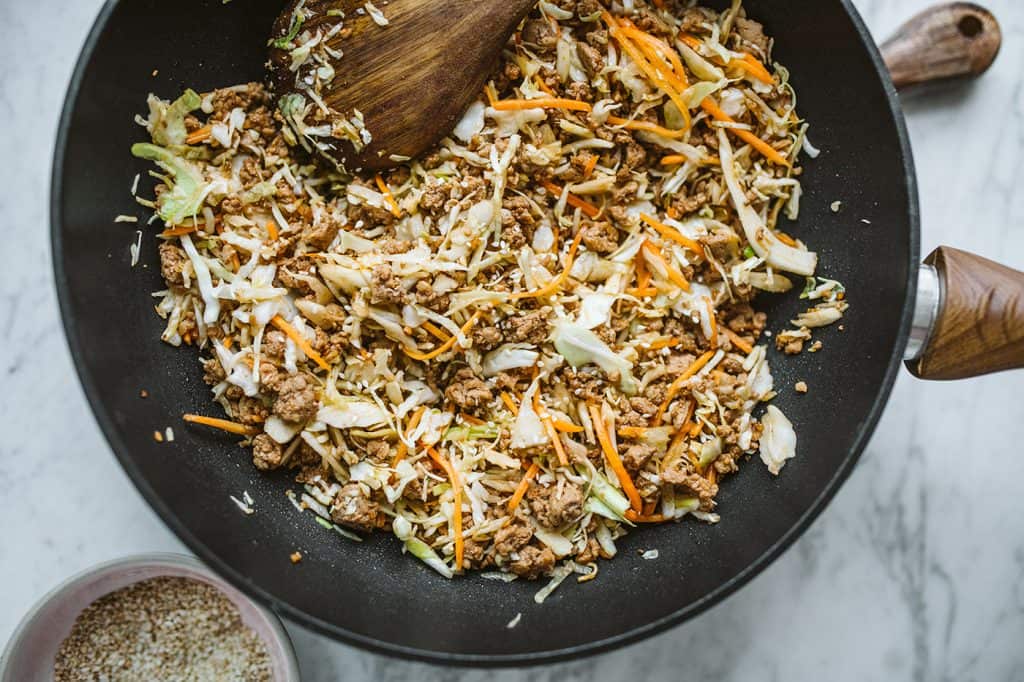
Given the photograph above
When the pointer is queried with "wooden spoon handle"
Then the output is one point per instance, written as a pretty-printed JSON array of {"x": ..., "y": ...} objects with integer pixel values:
[
  {"x": 947, "y": 42},
  {"x": 979, "y": 323}
]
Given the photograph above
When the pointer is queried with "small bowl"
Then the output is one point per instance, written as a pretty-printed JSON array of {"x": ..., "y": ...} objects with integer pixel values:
[{"x": 31, "y": 651}]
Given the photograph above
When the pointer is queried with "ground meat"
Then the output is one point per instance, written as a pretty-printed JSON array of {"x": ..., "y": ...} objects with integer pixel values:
[
  {"x": 385, "y": 287},
  {"x": 556, "y": 505},
  {"x": 529, "y": 328},
  {"x": 694, "y": 18},
  {"x": 378, "y": 450},
  {"x": 296, "y": 399},
  {"x": 262, "y": 121},
  {"x": 226, "y": 99},
  {"x": 299, "y": 265},
  {"x": 172, "y": 263},
  {"x": 395, "y": 246},
  {"x": 681, "y": 472},
  {"x": 251, "y": 411},
  {"x": 213, "y": 371},
  {"x": 321, "y": 236},
  {"x": 429, "y": 298},
  {"x": 636, "y": 156},
  {"x": 591, "y": 58},
  {"x": 467, "y": 391},
  {"x": 274, "y": 343},
  {"x": 540, "y": 34},
  {"x": 533, "y": 562},
  {"x": 685, "y": 205},
  {"x": 266, "y": 452},
  {"x": 353, "y": 509},
  {"x": 434, "y": 197},
  {"x": 637, "y": 456},
  {"x": 751, "y": 33},
  {"x": 600, "y": 237},
  {"x": 476, "y": 555},
  {"x": 585, "y": 384},
  {"x": 579, "y": 90},
  {"x": 513, "y": 537},
  {"x": 486, "y": 338}
]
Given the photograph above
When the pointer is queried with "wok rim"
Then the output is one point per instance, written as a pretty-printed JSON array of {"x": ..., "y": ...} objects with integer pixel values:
[{"x": 379, "y": 646}]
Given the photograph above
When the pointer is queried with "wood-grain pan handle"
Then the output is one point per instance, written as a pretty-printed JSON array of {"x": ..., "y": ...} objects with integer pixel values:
[
  {"x": 976, "y": 308},
  {"x": 947, "y": 42}
]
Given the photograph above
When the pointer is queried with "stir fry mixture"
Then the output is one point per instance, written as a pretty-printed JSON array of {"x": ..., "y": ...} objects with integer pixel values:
[{"x": 515, "y": 349}]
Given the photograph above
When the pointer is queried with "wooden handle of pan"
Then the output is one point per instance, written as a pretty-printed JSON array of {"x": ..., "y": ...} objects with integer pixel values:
[
  {"x": 979, "y": 326},
  {"x": 947, "y": 42}
]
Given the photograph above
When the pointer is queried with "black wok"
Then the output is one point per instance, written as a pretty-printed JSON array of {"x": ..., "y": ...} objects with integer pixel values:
[{"x": 369, "y": 594}]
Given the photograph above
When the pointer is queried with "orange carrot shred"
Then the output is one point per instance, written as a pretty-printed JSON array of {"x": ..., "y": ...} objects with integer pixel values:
[
  {"x": 673, "y": 234},
  {"x": 786, "y": 239},
  {"x": 543, "y": 86},
  {"x": 509, "y": 403},
  {"x": 222, "y": 424},
  {"x": 588, "y": 170},
  {"x": 388, "y": 196},
  {"x": 272, "y": 230},
  {"x": 403, "y": 449},
  {"x": 523, "y": 486},
  {"x": 750, "y": 138},
  {"x": 456, "y": 482},
  {"x": 441, "y": 334},
  {"x": 588, "y": 209},
  {"x": 647, "y": 126},
  {"x": 613, "y": 457},
  {"x": 178, "y": 231},
  {"x": 645, "y": 518},
  {"x": 566, "y": 427},
  {"x": 555, "y": 284},
  {"x": 200, "y": 135},
  {"x": 540, "y": 103},
  {"x": 444, "y": 347},
  {"x": 674, "y": 389},
  {"x": 738, "y": 341},
  {"x": 653, "y": 254},
  {"x": 549, "y": 427},
  {"x": 300, "y": 341}
]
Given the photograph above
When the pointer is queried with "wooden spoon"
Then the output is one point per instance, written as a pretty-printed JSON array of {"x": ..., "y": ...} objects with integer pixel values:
[{"x": 412, "y": 79}]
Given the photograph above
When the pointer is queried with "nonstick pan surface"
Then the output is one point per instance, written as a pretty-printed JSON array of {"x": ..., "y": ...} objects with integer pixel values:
[{"x": 369, "y": 594}]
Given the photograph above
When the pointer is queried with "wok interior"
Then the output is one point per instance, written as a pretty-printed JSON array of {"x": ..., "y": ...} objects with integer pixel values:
[{"x": 370, "y": 593}]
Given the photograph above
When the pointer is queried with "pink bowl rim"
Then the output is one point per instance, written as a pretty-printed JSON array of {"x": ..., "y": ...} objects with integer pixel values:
[{"x": 286, "y": 649}]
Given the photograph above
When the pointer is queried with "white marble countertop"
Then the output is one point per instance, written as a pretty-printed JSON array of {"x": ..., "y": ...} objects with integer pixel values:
[{"x": 915, "y": 571}]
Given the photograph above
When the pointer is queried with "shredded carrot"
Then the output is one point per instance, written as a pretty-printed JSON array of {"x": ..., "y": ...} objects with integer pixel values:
[
  {"x": 388, "y": 196},
  {"x": 543, "y": 86},
  {"x": 755, "y": 68},
  {"x": 523, "y": 486},
  {"x": 471, "y": 420},
  {"x": 676, "y": 159},
  {"x": 645, "y": 518},
  {"x": 696, "y": 429},
  {"x": 712, "y": 475},
  {"x": 786, "y": 239},
  {"x": 456, "y": 482},
  {"x": 300, "y": 341},
  {"x": 444, "y": 347},
  {"x": 222, "y": 424},
  {"x": 555, "y": 284},
  {"x": 643, "y": 275},
  {"x": 566, "y": 427},
  {"x": 639, "y": 55},
  {"x": 613, "y": 458},
  {"x": 178, "y": 231},
  {"x": 632, "y": 431},
  {"x": 197, "y": 136},
  {"x": 673, "y": 234},
  {"x": 649, "y": 507},
  {"x": 272, "y": 230},
  {"x": 692, "y": 41},
  {"x": 540, "y": 103},
  {"x": 750, "y": 138},
  {"x": 441, "y": 334},
  {"x": 588, "y": 170},
  {"x": 653, "y": 254},
  {"x": 549, "y": 427},
  {"x": 674, "y": 389},
  {"x": 509, "y": 403},
  {"x": 738, "y": 341},
  {"x": 663, "y": 343},
  {"x": 647, "y": 126},
  {"x": 642, "y": 293},
  {"x": 588, "y": 208},
  {"x": 652, "y": 46},
  {"x": 402, "y": 448},
  {"x": 228, "y": 341},
  {"x": 713, "y": 321}
]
